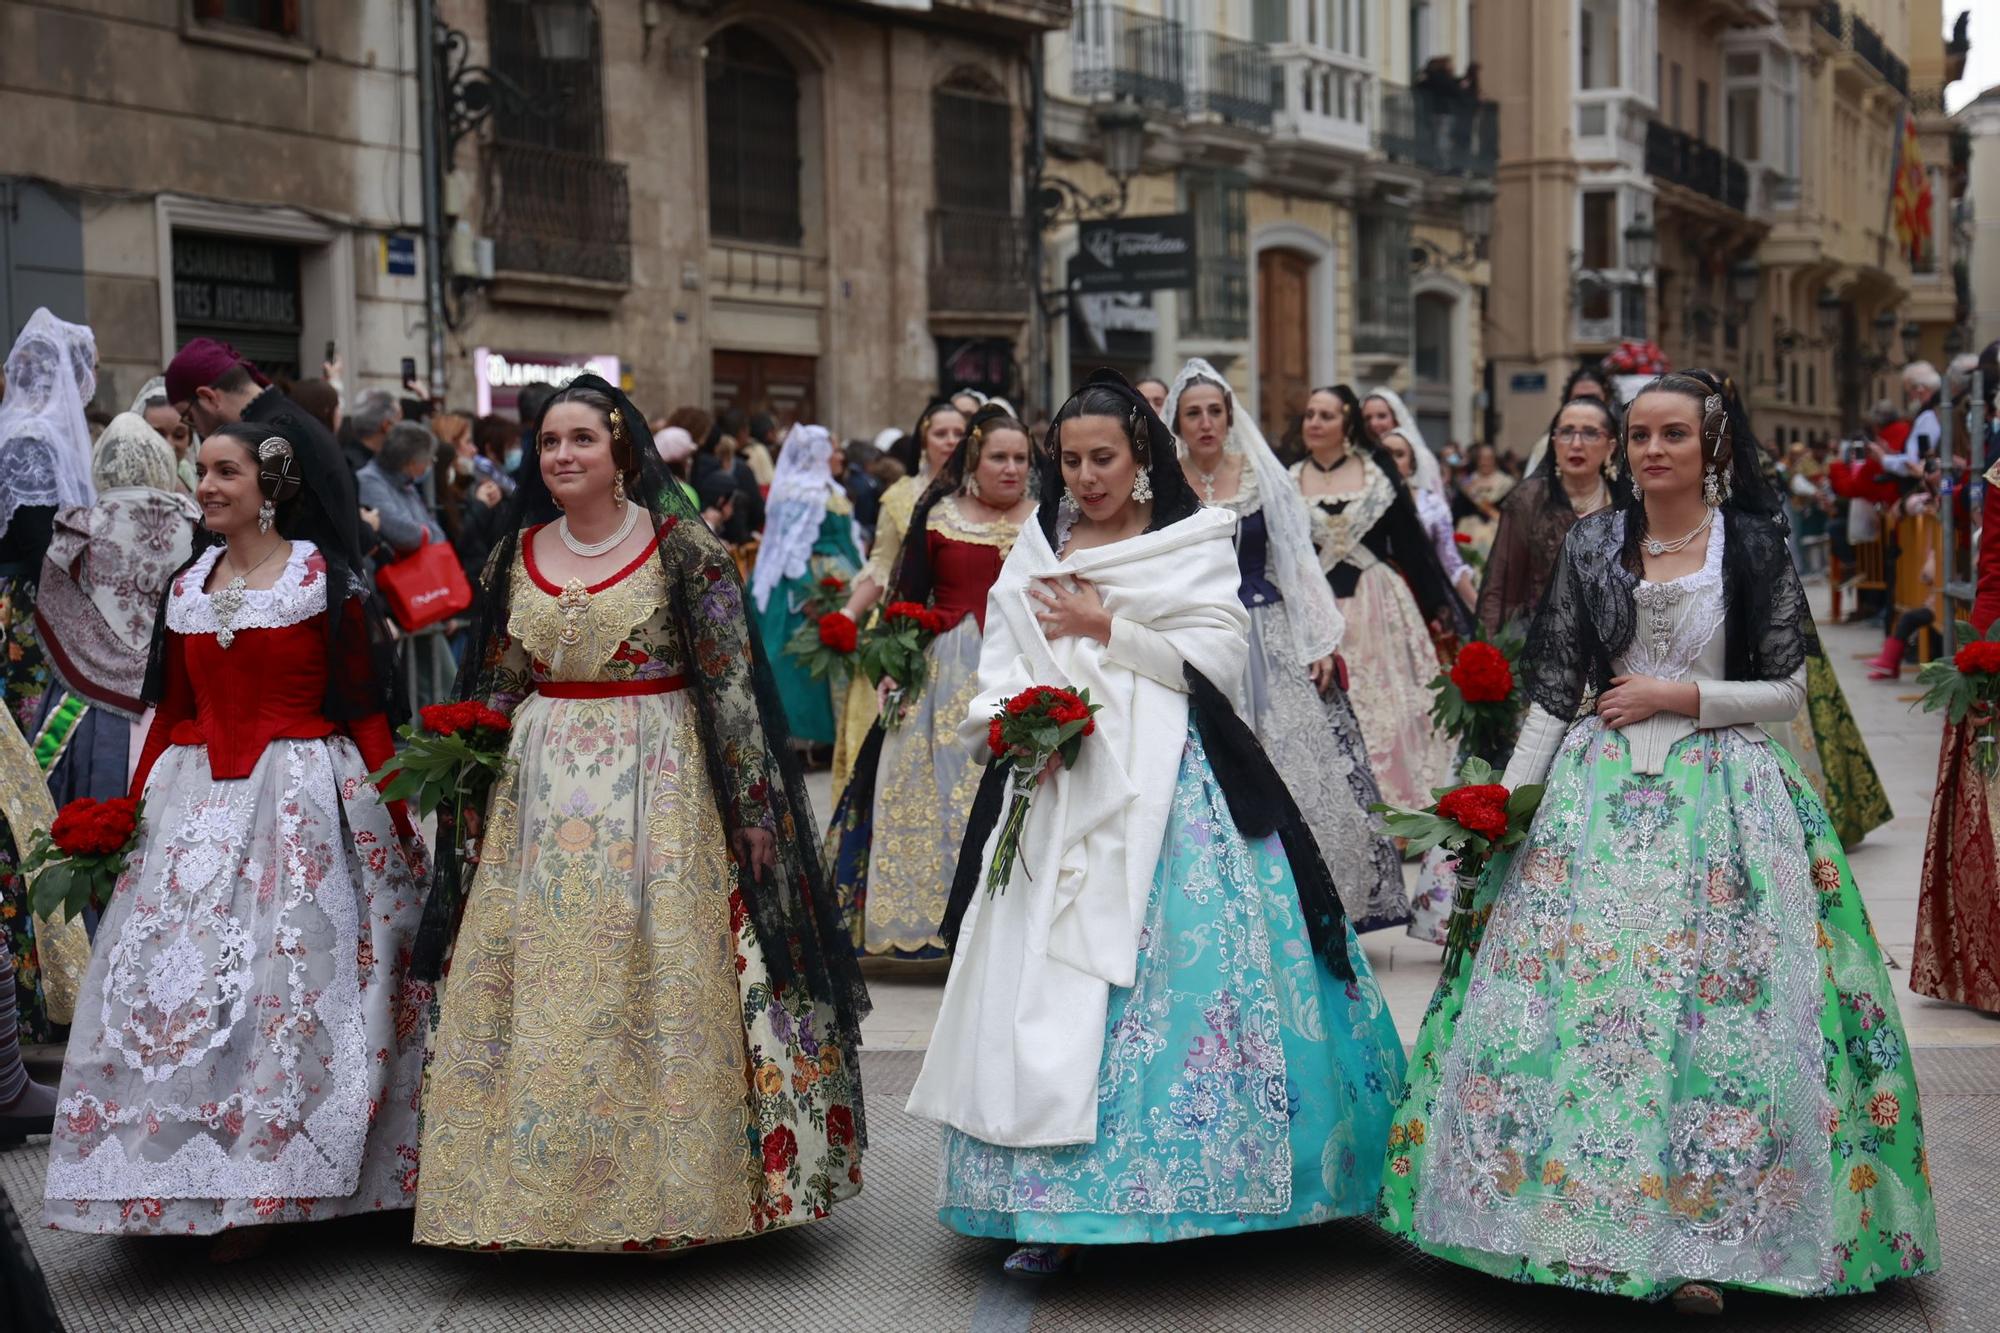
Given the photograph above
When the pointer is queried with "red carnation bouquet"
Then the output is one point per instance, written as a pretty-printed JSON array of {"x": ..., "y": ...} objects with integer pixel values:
[
  {"x": 1474, "y": 820},
  {"x": 894, "y": 652},
  {"x": 1966, "y": 687},
  {"x": 1478, "y": 701},
  {"x": 826, "y": 643},
  {"x": 452, "y": 752},
  {"x": 1041, "y": 726},
  {"x": 1637, "y": 356},
  {"x": 75, "y": 863}
]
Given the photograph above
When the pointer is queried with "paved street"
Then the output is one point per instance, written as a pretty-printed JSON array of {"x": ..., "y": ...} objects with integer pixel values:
[{"x": 883, "y": 1263}]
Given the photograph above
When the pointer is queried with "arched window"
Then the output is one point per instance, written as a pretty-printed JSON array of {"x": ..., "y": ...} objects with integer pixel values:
[
  {"x": 559, "y": 67},
  {"x": 753, "y": 140},
  {"x": 1433, "y": 321},
  {"x": 974, "y": 150}
]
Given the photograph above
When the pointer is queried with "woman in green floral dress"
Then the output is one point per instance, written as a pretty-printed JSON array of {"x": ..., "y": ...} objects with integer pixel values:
[
  {"x": 1675, "y": 1063},
  {"x": 808, "y": 536}
]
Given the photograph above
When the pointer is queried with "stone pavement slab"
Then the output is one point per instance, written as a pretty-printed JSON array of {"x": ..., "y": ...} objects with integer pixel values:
[{"x": 883, "y": 1264}]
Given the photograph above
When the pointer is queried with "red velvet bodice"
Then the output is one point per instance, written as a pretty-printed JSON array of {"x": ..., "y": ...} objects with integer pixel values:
[{"x": 962, "y": 573}]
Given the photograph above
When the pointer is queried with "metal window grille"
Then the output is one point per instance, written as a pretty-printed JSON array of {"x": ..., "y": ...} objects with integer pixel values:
[
  {"x": 1382, "y": 312},
  {"x": 1219, "y": 304},
  {"x": 978, "y": 244},
  {"x": 753, "y": 141},
  {"x": 974, "y": 133},
  {"x": 563, "y": 107}
]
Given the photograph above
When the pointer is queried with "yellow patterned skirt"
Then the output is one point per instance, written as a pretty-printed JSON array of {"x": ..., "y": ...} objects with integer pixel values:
[{"x": 612, "y": 1067}]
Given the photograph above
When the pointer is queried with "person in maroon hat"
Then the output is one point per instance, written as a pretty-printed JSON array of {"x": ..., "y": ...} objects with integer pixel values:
[{"x": 212, "y": 385}]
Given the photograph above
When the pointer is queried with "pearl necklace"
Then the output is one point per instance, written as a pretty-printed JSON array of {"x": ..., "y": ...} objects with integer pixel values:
[
  {"x": 589, "y": 549},
  {"x": 1654, "y": 546}
]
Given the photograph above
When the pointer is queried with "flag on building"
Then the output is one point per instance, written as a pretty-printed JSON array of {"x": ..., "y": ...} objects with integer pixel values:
[{"x": 1910, "y": 202}]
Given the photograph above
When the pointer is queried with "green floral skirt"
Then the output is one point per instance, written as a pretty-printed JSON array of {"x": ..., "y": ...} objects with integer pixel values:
[{"x": 1676, "y": 1056}]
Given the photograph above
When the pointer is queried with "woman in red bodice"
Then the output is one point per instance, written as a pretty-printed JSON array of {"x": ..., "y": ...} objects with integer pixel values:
[
  {"x": 893, "y": 843},
  {"x": 247, "y": 1049}
]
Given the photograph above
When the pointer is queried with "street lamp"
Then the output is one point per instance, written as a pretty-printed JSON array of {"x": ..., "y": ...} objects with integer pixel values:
[
  {"x": 1954, "y": 343},
  {"x": 1830, "y": 311},
  {"x": 1640, "y": 240},
  {"x": 1121, "y": 130},
  {"x": 563, "y": 28},
  {"x": 1885, "y": 330},
  {"x": 1913, "y": 340},
  {"x": 1744, "y": 278}
]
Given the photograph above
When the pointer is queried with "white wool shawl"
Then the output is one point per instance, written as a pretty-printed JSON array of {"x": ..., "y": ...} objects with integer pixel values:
[{"x": 1014, "y": 1057}]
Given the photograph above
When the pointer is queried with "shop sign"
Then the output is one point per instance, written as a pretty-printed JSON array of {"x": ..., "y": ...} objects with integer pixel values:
[
  {"x": 1135, "y": 254},
  {"x": 225, "y": 282},
  {"x": 500, "y": 376}
]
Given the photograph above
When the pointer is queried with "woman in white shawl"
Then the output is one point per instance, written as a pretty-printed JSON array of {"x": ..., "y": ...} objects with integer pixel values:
[
  {"x": 1292, "y": 694},
  {"x": 808, "y": 536},
  {"x": 1162, "y": 1027},
  {"x": 1398, "y": 434}
]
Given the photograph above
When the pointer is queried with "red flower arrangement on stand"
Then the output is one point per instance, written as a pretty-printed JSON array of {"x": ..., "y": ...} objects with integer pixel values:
[
  {"x": 1037, "y": 729},
  {"x": 76, "y": 862}
]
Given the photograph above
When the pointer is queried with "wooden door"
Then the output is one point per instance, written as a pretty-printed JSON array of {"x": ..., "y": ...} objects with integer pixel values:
[
  {"x": 784, "y": 386},
  {"x": 1284, "y": 338}
]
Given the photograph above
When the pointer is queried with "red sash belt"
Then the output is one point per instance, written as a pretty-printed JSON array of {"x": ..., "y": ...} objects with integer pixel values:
[{"x": 609, "y": 689}]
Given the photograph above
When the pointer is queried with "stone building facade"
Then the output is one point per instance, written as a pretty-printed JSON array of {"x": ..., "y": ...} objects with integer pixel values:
[
  {"x": 177, "y": 167},
  {"x": 816, "y": 208},
  {"x": 1328, "y": 194},
  {"x": 1713, "y": 175}
]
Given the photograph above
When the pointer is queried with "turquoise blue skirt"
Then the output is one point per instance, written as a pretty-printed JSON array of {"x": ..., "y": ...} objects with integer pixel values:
[{"x": 1242, "y": 1087}]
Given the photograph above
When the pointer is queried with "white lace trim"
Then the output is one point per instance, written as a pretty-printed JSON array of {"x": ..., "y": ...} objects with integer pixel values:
[
  {"x": 188, "y": 878},
  {"x": 1677, "y": 617},
  {"x": 298, "y": 595}
]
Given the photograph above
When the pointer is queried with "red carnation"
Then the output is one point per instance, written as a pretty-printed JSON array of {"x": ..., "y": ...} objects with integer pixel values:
[
  {"x": 839, "y": 1125},
  {"x": 439, "y": 719},
  {"x": 1480, "y": 809},
  {"x": 832, "y": 583},
  {"x": 904, "y": 611},
  {"x": 491, "y": 719},
  {"x": 780, "y": 1147},
  {"x": 1977, "y": 659},
  {"x": 837, "y": 632},
  {"x": 1482, "y": 674},
  {"x": 1462, "y": 538},
  {"x": 995, "y": 741}
]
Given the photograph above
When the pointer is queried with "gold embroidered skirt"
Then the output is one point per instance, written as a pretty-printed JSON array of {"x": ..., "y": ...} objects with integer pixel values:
[{"x": 612, "y": 1067}]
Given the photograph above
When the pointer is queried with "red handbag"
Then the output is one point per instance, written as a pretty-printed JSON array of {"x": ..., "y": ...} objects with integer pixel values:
[{"x": 425, "y": 586}]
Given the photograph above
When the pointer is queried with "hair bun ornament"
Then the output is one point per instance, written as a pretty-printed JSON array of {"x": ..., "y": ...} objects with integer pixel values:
[{"x": 278, "y": 469}]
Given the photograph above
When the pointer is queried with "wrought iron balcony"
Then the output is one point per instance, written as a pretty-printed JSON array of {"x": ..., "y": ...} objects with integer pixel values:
[
  {"x": 1686, "y": 161},
  {"x": 1875, "y": 53},
  {"x": 1122, "y": 52},
  {"x": 1829, "y": 17},
  {"x": 1230, "y": 79},
  {"x": 552, "y": 212},
  {"x": 1453, "y": 135},
  {"x": 978, "y": 262}
]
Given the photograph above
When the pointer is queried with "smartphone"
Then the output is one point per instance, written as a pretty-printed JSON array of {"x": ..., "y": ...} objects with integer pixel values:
[
  {"x": 330, "y": 356},
  {"x": 409, "y": 370}
]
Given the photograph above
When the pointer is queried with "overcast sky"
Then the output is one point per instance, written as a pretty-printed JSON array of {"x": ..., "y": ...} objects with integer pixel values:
[{"x": 1982, "y": 66}]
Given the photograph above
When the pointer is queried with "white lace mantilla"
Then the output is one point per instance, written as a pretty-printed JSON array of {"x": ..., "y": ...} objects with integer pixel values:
[
  {"x": 298, "y": 595},
  {"x": 1677, "y": 617}
]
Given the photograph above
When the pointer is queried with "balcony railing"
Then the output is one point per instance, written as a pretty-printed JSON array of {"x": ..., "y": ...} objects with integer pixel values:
[
  {"x": 1875, "y": 53},
  {"x": 1121, "y": 52},
  {"x": 1448, "y": 134},
  {"x": 1609, "y": 311},
  {"x": 1829, "y": 18},
  {"x": 1382, "y": 315},
  {"x": 979, "y": 262},
  {"x": 558, "y": 213},
  {"x": 1687, "y": 161},
  {"x": 1230, "y": 79},
  {"x": 766, "y": 272}
]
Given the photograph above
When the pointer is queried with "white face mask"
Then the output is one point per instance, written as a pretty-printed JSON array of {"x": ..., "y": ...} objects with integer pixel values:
[{"x": 462, "y": 466}]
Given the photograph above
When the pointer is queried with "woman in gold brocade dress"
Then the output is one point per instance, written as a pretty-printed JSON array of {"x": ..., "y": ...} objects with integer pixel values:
[
  {"x": 938, "y": 432},
  {"x": 622, "y": 1061}
]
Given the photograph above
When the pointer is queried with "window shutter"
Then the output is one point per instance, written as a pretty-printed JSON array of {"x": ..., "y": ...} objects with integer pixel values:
[{"x": 288, "y": 17}]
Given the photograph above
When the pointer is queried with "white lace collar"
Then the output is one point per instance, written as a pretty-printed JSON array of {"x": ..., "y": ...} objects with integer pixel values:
[{"x": 298, "y": 595}]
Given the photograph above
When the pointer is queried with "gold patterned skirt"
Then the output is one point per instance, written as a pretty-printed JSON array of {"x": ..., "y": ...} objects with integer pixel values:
[{"x": 613, "y": 1068}]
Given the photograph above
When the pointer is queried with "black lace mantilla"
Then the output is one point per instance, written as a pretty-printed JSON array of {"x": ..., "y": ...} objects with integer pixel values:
[{"x": 1588, "y": 615}]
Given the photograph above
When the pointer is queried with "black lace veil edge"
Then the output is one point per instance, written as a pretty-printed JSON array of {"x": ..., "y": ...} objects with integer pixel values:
[
  {"x": 324, "y": 513},
  {"x": 1173, "y": 498},
  {"x": 796, "y": 918}
]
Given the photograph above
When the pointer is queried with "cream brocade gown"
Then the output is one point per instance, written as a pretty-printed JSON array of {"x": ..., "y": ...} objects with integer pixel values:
[
  {"x": 613, "y": 1068},
  {"x": 858, "y": 709}
]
